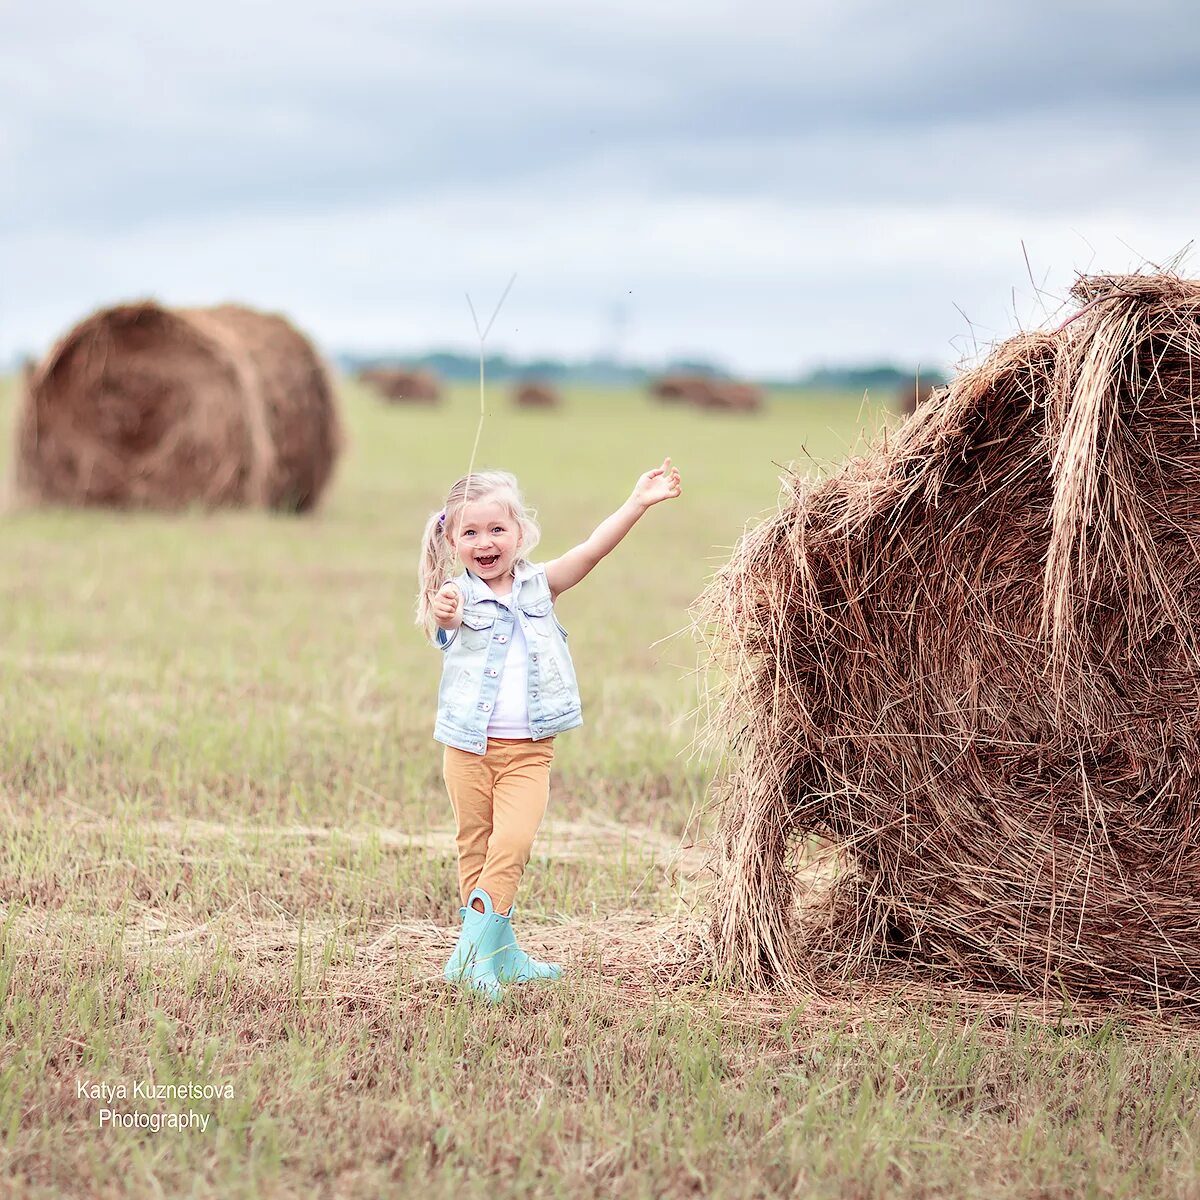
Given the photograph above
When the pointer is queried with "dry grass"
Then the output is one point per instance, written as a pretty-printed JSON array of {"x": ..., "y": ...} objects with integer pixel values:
[{"x": 226, "y": 861}]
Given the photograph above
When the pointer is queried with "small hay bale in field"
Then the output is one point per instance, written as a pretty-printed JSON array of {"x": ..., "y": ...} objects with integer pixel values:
[
  {"x": 909, "y": 396},
  {"x": 536, "y": 394},
  {"x": 728, "y": 395},
  {"x": 968, "y": 664},
  {"x": 404, "y": 385},
  {"x": 691, "y": 389},
  {"x": 144, "y": 406}
]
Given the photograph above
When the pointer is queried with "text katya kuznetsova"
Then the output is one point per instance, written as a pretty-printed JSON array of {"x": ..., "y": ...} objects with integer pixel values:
[{"x": 143, "y": 1090}]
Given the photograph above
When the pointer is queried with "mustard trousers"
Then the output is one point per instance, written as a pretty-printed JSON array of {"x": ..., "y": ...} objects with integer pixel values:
[{"x": 499, "y": 800}]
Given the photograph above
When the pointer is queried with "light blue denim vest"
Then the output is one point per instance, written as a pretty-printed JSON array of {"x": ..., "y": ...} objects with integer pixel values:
[{"x": 473, "y": 657}]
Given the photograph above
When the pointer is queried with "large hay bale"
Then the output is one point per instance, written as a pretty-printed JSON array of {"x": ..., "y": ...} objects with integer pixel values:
[
  {"x": 144, "y": 406},
  {"x": 532, "y": 393},
  {"x": 404, "y": 385},
  {"x": 969, "y": 665}
]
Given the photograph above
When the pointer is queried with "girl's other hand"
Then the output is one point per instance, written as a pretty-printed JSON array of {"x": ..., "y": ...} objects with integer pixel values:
[
  {"x": 446, "y": 606},
  {"x": 660, "y": 484}
]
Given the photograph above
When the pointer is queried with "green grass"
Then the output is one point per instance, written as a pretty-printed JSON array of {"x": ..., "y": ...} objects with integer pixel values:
[{"x": 227, "y": 860}]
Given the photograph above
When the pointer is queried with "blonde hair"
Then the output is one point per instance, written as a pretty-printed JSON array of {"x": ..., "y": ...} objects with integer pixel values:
[{"x": 437, "y": 547}]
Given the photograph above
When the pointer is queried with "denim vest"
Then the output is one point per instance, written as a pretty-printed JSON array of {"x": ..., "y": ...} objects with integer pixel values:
[{"x": 473, "y": 657}]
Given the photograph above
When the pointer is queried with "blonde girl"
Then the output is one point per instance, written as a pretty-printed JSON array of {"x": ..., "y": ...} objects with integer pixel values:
[{"x": 508, "y": 689}]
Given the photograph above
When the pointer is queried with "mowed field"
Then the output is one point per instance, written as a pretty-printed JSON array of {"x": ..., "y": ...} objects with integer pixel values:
[{"x": 228, "y": 861}]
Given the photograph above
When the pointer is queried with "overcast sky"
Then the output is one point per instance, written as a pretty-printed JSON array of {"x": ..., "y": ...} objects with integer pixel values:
[{"x": 774, "y": 186}]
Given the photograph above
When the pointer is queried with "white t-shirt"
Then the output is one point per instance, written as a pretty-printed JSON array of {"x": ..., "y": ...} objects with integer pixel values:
[{"x": 510, "y": 714}]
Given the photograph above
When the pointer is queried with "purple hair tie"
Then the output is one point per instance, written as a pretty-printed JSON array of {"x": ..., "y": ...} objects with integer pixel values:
[{"x": 441, "y": 518}]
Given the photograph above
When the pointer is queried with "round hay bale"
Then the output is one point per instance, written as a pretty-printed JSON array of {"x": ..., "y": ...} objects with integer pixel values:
[
  {"x": 536, "y": 394},
  {"x": 404, "y": 385},
  {"x": 144, "y": 406},
  {"x": 691, "y": 389},
  {"x": 968, "y": 666},
  {"x": 728, "y": 395}
]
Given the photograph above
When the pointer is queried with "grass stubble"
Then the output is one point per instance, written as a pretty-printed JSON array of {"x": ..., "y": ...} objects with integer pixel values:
[{"x": 228, "y": 860}]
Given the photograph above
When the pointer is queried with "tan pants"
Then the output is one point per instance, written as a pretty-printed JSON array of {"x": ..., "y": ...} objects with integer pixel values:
[{"x": 499, "y": 801}]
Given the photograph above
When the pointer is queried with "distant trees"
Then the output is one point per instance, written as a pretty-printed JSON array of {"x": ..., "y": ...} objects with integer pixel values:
[
  {"x": 875, "y": 377},
  {"x": 882, "y": 378}
]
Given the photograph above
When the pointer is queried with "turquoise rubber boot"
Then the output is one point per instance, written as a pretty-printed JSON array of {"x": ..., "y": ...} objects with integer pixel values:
[
  {"x": 515, "y": 966},
  {"x": 477, "y": 955}
]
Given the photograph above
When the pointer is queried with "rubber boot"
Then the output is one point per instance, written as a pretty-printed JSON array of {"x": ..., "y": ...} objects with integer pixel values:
[
  {"x": 477, "y": 955},
  {"x": 515, "y": 966}
]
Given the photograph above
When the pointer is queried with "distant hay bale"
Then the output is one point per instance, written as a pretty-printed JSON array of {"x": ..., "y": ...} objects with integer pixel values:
[
  {"x": 729, "y": 395},
  {"x": 968, "y": 666},
  {"x": 404, "y": 385},
  {"x": 708, "y": 391},
  {"x": 537, "y": 394},
  {"x": 913, "y": 393},
  {"x": 145, "y": 406},
  {"x": 688, "y": 388}
]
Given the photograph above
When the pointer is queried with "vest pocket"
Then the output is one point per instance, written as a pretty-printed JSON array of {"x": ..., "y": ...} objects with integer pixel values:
[
  {"x": 539, "y": 614},
  {"x": 476, "y": 629}
]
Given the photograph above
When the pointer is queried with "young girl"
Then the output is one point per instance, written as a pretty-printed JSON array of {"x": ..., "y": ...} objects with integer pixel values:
[{"x": 508, "y": 689}]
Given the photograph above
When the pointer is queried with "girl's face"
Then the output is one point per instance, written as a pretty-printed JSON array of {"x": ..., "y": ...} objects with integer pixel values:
[{"x": 487, "y": 539}]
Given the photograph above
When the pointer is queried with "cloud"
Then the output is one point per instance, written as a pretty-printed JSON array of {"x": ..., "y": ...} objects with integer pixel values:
[
  {"x": 350, "y": 160},
  {"x": 746, "y": 281}
]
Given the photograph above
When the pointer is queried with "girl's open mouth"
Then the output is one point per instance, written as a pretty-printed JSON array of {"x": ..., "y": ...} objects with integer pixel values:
[{"x": 489, "y": 561}]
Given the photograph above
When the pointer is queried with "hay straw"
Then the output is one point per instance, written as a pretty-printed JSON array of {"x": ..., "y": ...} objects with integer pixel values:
[
  {"x": 966, "y": 668},
  {"x": 482, "y": 335}
]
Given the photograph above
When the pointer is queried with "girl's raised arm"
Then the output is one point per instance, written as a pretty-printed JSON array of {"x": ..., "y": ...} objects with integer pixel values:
[{"x": 662, "y": 483}]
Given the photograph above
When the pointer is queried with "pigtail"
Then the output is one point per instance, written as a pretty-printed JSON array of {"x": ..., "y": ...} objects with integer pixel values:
[{"x": 433, "y": 566}]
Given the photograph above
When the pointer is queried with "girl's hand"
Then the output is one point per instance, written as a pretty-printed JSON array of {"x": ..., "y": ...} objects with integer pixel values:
[
  {"x": 446, "y": 607},
  {"x": 660, "y": 484}
]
